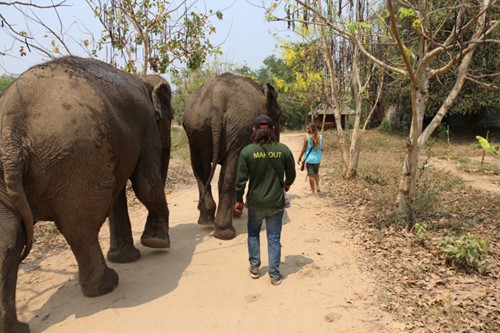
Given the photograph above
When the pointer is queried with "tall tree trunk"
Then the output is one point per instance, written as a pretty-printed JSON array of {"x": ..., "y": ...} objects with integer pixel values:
[
  {"x": 356, "y": 134},
  {"x": 335, "y": 99}
]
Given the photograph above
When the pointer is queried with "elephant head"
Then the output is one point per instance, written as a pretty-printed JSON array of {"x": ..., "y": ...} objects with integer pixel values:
[{"x": 272, "y": 106}]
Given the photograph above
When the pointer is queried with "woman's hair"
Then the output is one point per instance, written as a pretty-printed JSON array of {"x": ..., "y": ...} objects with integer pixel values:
[
  {"x": 264, "y": 136},
  {"x": 314, "y": 134}
]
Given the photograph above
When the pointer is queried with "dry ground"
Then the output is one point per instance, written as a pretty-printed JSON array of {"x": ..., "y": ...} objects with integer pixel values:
[
  {"x": 202, "y": 284},
  {"x": 347, "y": 268},
  {"x": 455, "y": 195}
]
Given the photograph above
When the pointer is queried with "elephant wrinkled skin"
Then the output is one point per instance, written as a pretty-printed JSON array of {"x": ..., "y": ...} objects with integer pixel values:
[
  {"x": 72, "y": 132},
  {"x": 218, "y": 119}
]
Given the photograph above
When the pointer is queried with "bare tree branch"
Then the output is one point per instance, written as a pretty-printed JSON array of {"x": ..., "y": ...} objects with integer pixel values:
[
  {"x": 31, "y": 4},
  {"x": 352, "y": 37},
  {"x": 484, "y": 84},
  {"x": 25, "y": 38}
]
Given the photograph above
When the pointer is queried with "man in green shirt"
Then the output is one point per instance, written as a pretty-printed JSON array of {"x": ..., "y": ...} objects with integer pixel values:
[{"x": 264, "y": 163}]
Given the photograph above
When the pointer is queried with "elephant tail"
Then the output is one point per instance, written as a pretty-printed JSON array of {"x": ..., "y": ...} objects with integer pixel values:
[
  {"x": 209, "y": 180},
  {"x": 13, "y": 162},
  {"x": 217, "y": 128}
]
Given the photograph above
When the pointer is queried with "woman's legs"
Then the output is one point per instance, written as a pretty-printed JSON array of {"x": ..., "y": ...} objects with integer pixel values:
[
  {"x": 316, "y": 179},
  {"x": 311, "y": 183},
  {"x": 311, "y": 173}
]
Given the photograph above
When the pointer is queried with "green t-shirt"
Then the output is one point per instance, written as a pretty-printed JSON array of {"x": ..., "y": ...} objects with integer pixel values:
[{"x": 265, "y": 190}]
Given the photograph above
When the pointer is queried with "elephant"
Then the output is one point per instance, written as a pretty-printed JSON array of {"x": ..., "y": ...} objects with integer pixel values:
[
  {"x": 218, "y": 120},
  {"x": 73, "y": 131}
]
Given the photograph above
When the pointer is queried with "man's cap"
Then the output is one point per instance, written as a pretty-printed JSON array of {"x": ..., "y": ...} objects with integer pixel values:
[{"x": 263, "y": 121}]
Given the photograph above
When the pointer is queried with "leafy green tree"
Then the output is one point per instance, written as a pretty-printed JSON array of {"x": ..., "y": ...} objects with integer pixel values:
[
  {"x": 245, "y": 70},
  {"x": 479, "y": 94},
  {"x": 307, "y": 65},
  {"x": 282, "y": 74},
  {"x": 5, "y": 81},
  {"x": 332, "y": 33},
  {"x": 433, "y": 51},
  {"x": 155, "y": 34},
  {"x": 185, "y": 81}
]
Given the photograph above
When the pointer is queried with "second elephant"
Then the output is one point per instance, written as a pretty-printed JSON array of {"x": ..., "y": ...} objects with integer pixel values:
[{"x": 218, "y": 119}]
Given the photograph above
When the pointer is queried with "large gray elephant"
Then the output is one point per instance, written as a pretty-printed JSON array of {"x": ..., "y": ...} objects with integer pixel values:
[
  {"x": 218, "y": 119},
  {"x": 72, "y": 132}
]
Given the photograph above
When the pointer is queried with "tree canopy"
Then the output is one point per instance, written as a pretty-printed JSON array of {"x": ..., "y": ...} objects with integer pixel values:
[{"x": 155, "y": 34}]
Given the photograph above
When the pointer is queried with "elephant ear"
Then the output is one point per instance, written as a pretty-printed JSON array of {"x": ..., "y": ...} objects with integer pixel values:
[
  {"x": 273, "y": 108},
  {"x": 161, "y": 96},
  {"x": 271, "y": 94}
]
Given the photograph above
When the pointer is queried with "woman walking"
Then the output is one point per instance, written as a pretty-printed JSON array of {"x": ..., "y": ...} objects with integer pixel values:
[{"x": 312, "y": 148}]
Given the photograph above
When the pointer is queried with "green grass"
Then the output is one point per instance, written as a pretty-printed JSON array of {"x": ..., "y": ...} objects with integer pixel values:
[{"x": 180, "y": 144}]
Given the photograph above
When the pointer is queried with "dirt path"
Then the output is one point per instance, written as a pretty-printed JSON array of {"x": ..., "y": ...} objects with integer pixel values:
[
  {"x": 483, "y": 182},
  {"x": 202, "y": 285}
]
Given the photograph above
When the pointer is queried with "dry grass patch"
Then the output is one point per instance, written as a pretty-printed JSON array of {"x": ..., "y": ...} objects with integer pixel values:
[{"x": 415, "y": 283}]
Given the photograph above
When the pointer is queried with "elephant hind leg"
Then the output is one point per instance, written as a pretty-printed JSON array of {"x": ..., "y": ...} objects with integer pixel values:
[
  {"x": 11, "y": 245},
  {"x": 201, "y": 164},
  {"x": 206, "y": 206},
  {"x": 122, "y": 249},
  {"x": 149, "y": 189},
  {"x": 95, "y": 277},
  {"x": 224, "y": 219}
]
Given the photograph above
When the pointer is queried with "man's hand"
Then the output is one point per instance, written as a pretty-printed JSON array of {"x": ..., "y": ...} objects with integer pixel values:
[
  {"x": 286, "y": 187},
  {"x": 238, "y": 209}
]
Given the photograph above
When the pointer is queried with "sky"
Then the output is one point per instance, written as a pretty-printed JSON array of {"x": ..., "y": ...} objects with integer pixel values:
[{"x": 244, "y": 36}]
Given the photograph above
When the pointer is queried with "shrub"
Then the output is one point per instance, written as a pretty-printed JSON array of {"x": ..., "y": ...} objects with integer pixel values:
[
  {"x": 465, "y": 252},
  {"x": 385, "y": 125}
]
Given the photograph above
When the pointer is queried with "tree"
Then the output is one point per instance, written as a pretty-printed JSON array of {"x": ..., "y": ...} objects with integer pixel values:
[
  {"x": 285, "y": 74},
  {"x": 186, "y": 80},
  {"x": 479, "y": 94},
  {"x": 307, "y": 85},
  {"x": 340, "y": 60},
  {"x": 434, "y": 57},
  {"x": 23, "y": 38},
  {"x": 436, "y": 51},
  {"x": 155, "y": 34},
  {"x": 5, "y": 81}
]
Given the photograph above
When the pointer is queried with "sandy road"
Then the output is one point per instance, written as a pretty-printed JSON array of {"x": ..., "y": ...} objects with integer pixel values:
[{"x": 202, "y": 284}]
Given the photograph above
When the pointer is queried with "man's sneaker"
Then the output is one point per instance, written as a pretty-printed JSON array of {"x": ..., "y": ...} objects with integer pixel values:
[
  {"x": 254, "y": 272},
  {"x": 277, "y": 280}
]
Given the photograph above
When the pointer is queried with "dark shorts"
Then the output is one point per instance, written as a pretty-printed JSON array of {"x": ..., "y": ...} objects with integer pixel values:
[{"x": 312, "y": 169}]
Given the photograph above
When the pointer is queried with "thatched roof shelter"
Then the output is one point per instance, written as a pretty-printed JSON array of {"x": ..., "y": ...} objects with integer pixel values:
[
  {"x": 317, "y": 116},
  {"x": 347, "y": 111}
]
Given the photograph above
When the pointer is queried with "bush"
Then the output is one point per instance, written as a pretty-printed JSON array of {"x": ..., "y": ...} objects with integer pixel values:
[
  {"x": 5, "y": 81},
  {"x": 465, "y": 252},
  {"x": 385, "y": 125}
]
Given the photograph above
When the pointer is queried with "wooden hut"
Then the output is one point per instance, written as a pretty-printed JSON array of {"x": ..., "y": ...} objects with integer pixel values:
[{"x": 317, "y": 116}]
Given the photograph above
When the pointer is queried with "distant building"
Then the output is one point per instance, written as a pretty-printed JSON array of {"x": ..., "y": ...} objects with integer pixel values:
[{"x": 317, "y": 116}]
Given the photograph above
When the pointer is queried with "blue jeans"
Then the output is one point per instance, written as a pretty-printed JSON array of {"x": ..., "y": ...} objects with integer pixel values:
[{"x": 274, "y": 222}]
